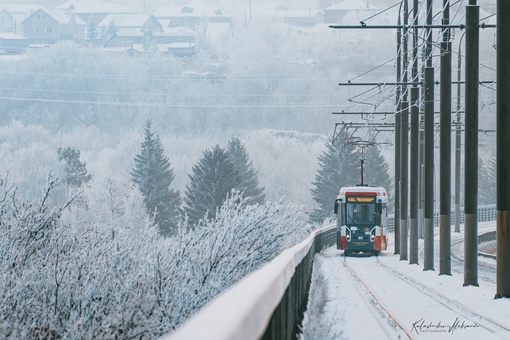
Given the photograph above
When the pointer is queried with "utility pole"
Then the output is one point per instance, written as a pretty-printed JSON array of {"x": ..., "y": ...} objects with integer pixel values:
[
  {"x": 401, "y": 141},
  {"x": 397, "y": 140},
  {"x": 428, "y": 260},
  {"x": 421, "y": 206},
  {"x": 414, "y": 166},
  {"x": 404, "y": 144},
  {"x": 445, "y": 148},
  {"x": 471, "y": 147},
  {"x": 503, "y": 157},
  {"x": 458, "y": 140}
]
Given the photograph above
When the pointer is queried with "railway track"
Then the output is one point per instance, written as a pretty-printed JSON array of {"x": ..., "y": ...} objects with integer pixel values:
[
  {"x": 411, "y": 289},
  {"x": 389, "y": 323},
  {"x": 486, "y": 270},
  {"x": 455, "y": 306},
  {"x": 401, "y": 301}
]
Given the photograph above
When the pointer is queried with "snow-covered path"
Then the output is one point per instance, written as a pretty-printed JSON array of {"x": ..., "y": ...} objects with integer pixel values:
[{"x": 425, "y": 304}]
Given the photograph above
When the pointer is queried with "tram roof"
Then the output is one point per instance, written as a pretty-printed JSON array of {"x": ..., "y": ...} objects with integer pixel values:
[{"x": 380, "y": 192}]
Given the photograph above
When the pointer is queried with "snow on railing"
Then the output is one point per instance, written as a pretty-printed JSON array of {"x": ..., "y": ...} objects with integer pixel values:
[{"x": 267, "y": 304}]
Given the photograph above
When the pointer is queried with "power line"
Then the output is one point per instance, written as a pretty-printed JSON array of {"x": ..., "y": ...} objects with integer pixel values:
[{"x": 152, "y": 104}]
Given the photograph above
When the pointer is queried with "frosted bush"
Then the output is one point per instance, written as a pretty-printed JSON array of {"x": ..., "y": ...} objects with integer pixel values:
[{"x": 77, "y": 278}]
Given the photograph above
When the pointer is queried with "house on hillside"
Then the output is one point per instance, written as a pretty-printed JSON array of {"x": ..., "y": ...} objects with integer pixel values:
[
  {"x": 188, "y": 25},
  {"x": 128, "y": 31},
  {"x": 7, "y": 22},
  {"x": 50, "y": 26},
  {"x": 11, "y": 43},
  {"x": 258, "y": 10},
  {"x": 356, "y": 9},
  {"x": 300, "y": 18},
  {"x": 11, "y": 16},
  {"x": 131, "y": 23},
  {"x": 191, "y": 15},
  {"x": 91, "y": 11},
  {"x": 327, "y": 3}
]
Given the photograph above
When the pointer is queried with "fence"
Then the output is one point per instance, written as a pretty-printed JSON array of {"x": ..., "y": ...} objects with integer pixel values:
[
  {"x": 267, "y": 304},
  {"x": 485, "y": 213},
  {"x": 270, "y": 303}
]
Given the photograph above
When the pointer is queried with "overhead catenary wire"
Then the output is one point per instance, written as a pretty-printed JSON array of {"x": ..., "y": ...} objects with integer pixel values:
[
  {"x": 152, "y": 104},
  {"x": 436, "y": 44}
]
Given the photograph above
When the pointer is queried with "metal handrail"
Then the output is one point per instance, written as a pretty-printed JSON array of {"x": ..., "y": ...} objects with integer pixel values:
[
  {"x": 268, "y": 303},
  {"x": 276, "y": 310}
]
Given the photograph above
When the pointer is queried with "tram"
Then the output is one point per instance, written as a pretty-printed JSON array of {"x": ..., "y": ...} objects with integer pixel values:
[{"x": 362, "y": 219}]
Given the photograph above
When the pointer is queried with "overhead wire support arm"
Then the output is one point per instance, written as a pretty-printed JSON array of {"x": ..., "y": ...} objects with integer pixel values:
[
  {"x": 419, "y": 83},
  {"x": 362, "y": 25},
  {"x": 362, "y": 113},
  {"x": 349, "y": 83},
  {"x": 360, "y": 125},
  {"x": 375, "y": 112},
  {"x": 375, "y": 127}
]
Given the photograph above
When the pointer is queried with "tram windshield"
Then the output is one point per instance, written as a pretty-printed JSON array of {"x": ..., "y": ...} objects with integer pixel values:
[{"x": 361, "y": 213}]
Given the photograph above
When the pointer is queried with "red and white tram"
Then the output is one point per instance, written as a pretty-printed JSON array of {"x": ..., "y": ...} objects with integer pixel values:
[{"x": 362, "y": 219}]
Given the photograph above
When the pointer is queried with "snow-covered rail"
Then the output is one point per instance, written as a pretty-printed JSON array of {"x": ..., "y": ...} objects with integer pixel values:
[
  {"x": 267, "y": 304},
  {"x": 486, "y": 237},
  {"x": 486, "y": 262},
  {"x": 483, "y": 321},
  {"x": 388, "y": 322}
]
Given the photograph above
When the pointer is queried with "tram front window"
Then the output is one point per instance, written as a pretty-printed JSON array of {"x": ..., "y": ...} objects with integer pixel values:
[
  {"x": 357, "y": 231},
  {"x": 361, "y": 213}
]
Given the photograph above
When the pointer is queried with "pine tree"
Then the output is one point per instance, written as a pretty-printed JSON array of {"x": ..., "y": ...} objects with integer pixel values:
[
  {"x": 153, "y": 176},
  {"x": 377, "y": 169},
  {"x": 91, "y": 33},
  {"x": 487, "y": 181},
  {"x": 492, "y": 170},
  {"x": 214, "y": 177},
  {"x": 249, "y": 185},
  {"x": 338, "y": 167},
  {"x": 75, "y": 171}
]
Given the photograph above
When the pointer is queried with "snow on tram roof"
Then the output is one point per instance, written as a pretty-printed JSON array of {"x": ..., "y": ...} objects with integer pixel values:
[{"x": 359, "y": 190}]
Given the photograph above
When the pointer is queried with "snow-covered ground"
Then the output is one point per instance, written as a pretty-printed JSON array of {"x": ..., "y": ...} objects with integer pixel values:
[{"x": 403, "y": 301}]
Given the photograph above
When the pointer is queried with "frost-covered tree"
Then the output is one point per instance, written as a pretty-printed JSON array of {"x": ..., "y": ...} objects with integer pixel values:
[
  {"x": 63, "y": 278},
  {"x": 153, "y": 176},
  {"x": 338, "y": 167},
  {"x": 213, "y": 178},
  {"x": 112, "y": 28},
  {"x": 487, "y": 181},
  {"x": 249, "y": 185},
  {"x": 376, "y": 169},
  {"x": 75, "y": 170},
  {"x": 240, "y": 239},
  {"x": 91, "y": 34},
  {"x": 149, "y": 45}
]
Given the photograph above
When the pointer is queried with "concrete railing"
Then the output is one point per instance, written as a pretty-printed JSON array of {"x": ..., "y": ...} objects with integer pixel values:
[{"x": 267, "y": 304}]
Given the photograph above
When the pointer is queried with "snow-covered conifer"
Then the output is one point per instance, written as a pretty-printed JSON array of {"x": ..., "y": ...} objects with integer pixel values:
[
  {"x": 75, "y": 170},
  {"x": 338, "y": 166},
  {"x": 376, "y": 168},
  {"x": 249, "y": 186},
  {"x": 153, "y": 176},
  {"x": 213, "y": 178},
  {"x": 487, "y": 181}
]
